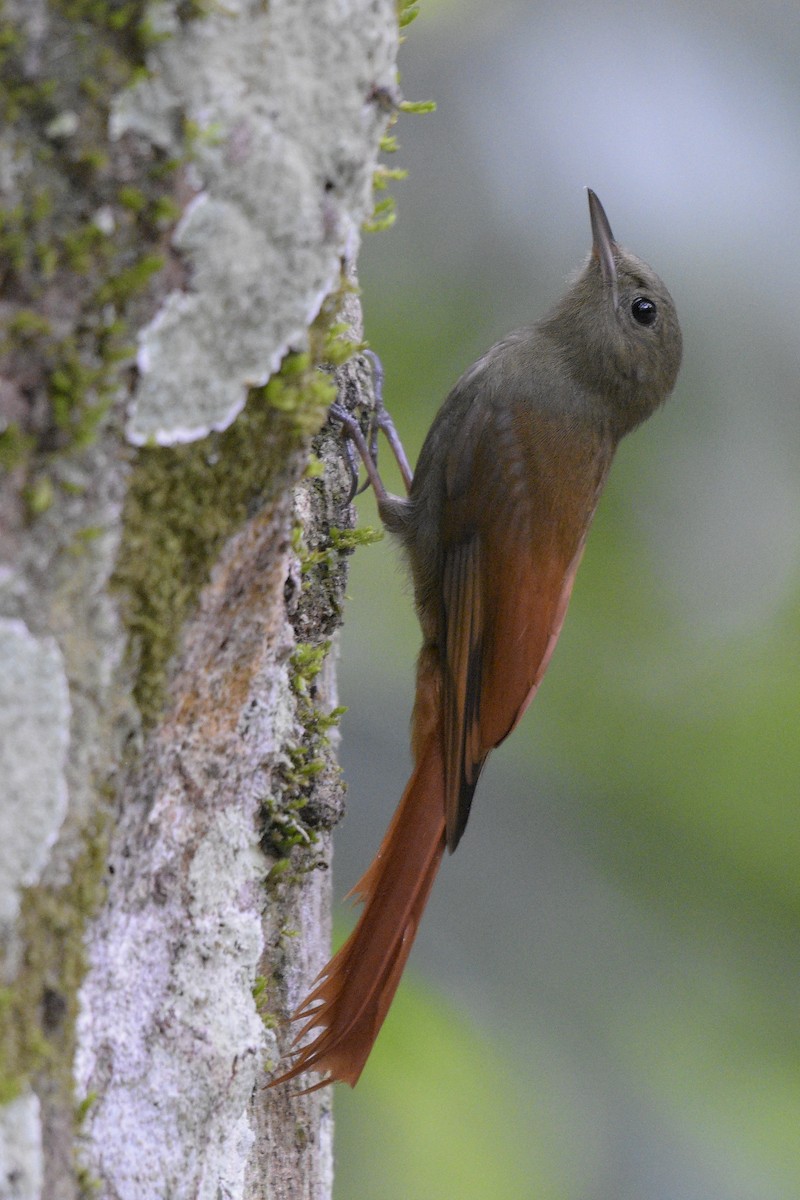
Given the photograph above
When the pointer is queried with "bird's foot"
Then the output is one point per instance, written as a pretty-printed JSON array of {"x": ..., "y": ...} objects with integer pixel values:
[{"x": 366, "y": 445}]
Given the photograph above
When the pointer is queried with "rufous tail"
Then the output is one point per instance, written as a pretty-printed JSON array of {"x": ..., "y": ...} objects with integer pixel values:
[{"x": 352, "y": 995}]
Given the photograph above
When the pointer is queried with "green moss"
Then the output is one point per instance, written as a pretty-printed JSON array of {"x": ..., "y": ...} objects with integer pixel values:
[
  {"x": 293, "y": 821},
  {"x": 88, "y": 1184},
  {"x": 38, "y": 1010},
  {"x": 260, "y": 992},
  {"x": 302, "y": 391},
  {"x": 132, "y": 198},
  {"x": 183, "y": 502},
  {"x": 305, "y": 388},
  {"x": 384, "y": 213},
  {"x": 49, "y": 240},
  {"x": 83, "y": 1109},
  {"x": 15, "y": 447},
  {"x": 195, "y": 135},
  {"x": 278, "y": 418},
  {"x": 123, "y": 286},
  {"x": 306, "y": 664},
  {"x": 340, "y": 542},
  {"x": 418, "y": 106},
  {"x": 11, "y": 1079},
  {"x": 18, "y": 95},
  {"x": 10, "y": 40},
  {"x": 79, "y": 392},
  {"x": 27, "y": 324},
  {"x": 308, "y": 559},
  {"x": 38, "y": 495},
  {"x": 345, "y": 541},
  {"x": 125, "y": 25},
  {"x": 315, "y": 467},
  {"x": 190, "y": 10},
  {"x": 285, "y": 829},
  {"x": 92, "y": 157},
  {"x": 260, "y": 995},
  {"x": 164, "y": 211},
  {"x": 85, "y": 249},
  {"x": 13, "y": 239},
  {"x": 407, "y": 12},
  {"x": 83, "y": 539},
  {"x": 46, "y": 258}
]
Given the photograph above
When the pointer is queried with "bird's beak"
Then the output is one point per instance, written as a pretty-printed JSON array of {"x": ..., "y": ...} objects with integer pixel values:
[{"x": 604, "y": 247}]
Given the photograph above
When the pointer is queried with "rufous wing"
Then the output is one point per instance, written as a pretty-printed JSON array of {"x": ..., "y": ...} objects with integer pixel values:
[{"x": 510, "y": 551}]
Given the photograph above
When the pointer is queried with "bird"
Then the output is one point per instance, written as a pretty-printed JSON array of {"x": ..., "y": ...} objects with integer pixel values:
[{"x": 493, "y": 527}]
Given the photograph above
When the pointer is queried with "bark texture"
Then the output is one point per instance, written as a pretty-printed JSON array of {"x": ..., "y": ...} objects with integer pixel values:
[{"x": 181, "y": 190}]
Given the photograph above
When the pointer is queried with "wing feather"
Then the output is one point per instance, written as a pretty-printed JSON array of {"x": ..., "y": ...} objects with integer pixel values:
[
  {"x": 510, "y": 551},
  {"x": 464, "y": 650}
]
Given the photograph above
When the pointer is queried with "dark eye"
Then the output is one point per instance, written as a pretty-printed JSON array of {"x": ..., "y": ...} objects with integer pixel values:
[{"x": 644, "y": 310}]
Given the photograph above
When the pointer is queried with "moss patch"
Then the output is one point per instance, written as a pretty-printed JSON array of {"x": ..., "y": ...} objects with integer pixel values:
[
  {"x": 295, "y": 822},
  {"x": 38, "y": 1012},
  {"x": 76, "y": 255},
  {"x": 184, "y": 501}
]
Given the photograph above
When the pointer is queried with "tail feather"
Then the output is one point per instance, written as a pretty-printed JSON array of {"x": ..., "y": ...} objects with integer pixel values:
[{"x": 353, "y": 992}]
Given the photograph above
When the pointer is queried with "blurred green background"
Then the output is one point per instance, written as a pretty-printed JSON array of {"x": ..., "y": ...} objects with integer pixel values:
[{"x": 603, "y": 1000}]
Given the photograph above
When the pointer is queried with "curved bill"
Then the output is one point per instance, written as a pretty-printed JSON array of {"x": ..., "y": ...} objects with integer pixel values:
[{"x": 603, "y": 245}]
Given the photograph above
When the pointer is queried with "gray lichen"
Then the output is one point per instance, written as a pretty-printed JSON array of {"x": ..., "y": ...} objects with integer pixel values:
[
  {"x": 21, "y": 1173},
  {"x": 280, "y": 108},
  {"x": 34, "y": 734}
]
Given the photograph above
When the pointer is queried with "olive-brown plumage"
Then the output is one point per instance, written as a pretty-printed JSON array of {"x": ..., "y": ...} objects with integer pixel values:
[{"x": 494, "y": 526}]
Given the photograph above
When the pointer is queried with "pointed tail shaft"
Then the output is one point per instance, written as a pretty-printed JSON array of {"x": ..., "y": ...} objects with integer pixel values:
[{"x": 353, "y": 993}]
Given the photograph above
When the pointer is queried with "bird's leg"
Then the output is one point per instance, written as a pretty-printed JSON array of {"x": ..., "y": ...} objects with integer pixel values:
[
  {"x": 384, "y": 421},
  {"x": 355, "y": 437},
  {"x": 368, "y": 449}
]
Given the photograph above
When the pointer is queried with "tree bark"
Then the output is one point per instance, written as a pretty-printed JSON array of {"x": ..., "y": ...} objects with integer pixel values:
[{"x": 182, "y": 187}]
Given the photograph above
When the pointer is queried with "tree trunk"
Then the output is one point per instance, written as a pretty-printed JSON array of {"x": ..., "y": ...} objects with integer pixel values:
[{"x": 182, "y": 187}]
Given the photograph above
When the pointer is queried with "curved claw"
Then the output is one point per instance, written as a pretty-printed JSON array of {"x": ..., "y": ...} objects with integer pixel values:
[
  {"x": 377, "y": 376},
  {"x": 341, "y": 414},
  {"x": 374, "y": 430},
  {"x": 352, "y": 466}
]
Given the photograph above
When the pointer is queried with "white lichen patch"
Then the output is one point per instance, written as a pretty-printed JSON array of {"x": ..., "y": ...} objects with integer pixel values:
[
  {"x": 170, "y": 1042},
  {"x": 34, "y": 739},
  {"x": 21, "y": 1170},
  {"x": 281, "y": 102},
  {"x": 168, "y": 1009}
]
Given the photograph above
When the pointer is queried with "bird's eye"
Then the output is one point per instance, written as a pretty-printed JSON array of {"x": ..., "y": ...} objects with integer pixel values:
[{"x": 644, "y": 311}]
